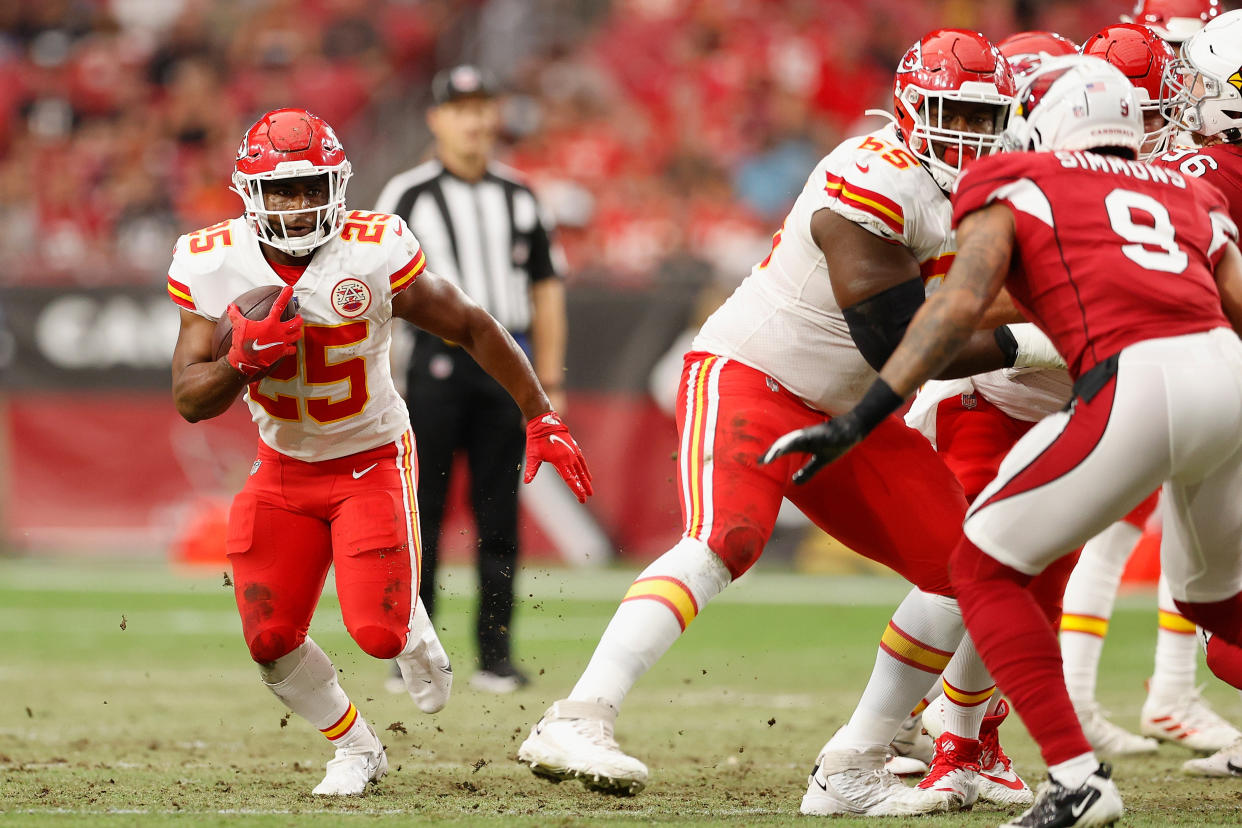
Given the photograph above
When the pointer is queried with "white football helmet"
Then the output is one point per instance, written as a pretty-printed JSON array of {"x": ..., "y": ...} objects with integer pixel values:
[
  {"x": 1203, "y": 86},
  {"x": 1075, "y": 102}
]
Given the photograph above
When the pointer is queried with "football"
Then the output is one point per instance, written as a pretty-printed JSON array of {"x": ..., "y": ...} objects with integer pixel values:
[{"x": 255, "y": 303}]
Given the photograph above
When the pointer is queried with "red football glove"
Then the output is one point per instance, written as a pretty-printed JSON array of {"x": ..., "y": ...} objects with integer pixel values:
[
  {"x": 258, "y": 344},
  {"x": 547, "y": 438}
]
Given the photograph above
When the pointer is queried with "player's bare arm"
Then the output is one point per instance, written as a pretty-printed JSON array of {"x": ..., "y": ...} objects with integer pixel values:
[
  {"x": 878, "y": 285},
  {"x": 1229, "y": 282},
  {"x": 936, "y": 336},
  {"x": 950, "y": 318},
  {"x": 203, "y": 387},
  {"x": 441, "y": 308}
]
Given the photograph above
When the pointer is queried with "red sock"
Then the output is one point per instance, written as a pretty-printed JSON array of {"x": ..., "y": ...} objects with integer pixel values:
[
  {"x": 1223, "y": 619},
  {"x": 1017, "y": 643}
]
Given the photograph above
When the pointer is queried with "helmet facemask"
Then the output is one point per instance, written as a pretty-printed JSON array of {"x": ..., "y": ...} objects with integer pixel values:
[
  {"x": 1155, "y": 141},
  {"x": 1200, "y": 102},
  {"x": 272, "y": 226},
  {"x": 933, "y": 138}
]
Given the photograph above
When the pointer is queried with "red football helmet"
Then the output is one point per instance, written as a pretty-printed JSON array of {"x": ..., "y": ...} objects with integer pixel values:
[
  {"x": 1173, "y": 20},
  {"x": 950, "y": 65},
  {"x": 1142, "y": 56},
  {"x": 291, "y": 143},
  {"x": 1026, "y": 50}
]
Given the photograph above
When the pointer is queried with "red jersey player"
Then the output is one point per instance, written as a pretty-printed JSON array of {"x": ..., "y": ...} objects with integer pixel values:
[
  {"x": 1206, "y": 101},
  {"x": 1132, "y": 271},
  {"x": 335, "y": 478},
  {"x": 796, "y": 343}
]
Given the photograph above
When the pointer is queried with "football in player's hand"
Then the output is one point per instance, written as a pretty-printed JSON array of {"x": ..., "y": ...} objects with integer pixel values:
[{"x": 255, "y": 303}]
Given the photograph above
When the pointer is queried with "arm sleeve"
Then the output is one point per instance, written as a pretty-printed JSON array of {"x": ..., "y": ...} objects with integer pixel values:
[
  {"x": 405, "y": 259},
  {"x": 181, "y": 281},
  {"x": 861, "y": 198}
]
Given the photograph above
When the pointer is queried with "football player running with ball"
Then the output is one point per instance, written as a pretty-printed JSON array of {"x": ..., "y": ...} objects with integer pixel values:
[
  {"x": 1133, "y": 271},
  {"x": 335, "y": 478},
  {"x": 796, "y": 344}
]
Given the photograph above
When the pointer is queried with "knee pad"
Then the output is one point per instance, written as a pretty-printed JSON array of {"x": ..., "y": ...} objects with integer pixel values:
[
  {"x": 969, "y": 563},
  {"x": 1220, "y": 618},
  {"x": 740, "y": 548},
  {"x": 274, "y": 642},
  {"x": 377, "y": 641}
]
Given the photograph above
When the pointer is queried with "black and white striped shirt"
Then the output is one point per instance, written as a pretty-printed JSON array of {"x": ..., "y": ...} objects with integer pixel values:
[{"x": 488, "y": 237}]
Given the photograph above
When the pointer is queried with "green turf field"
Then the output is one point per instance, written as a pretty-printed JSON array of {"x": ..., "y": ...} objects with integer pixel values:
[{"x": 127, "y": 698}]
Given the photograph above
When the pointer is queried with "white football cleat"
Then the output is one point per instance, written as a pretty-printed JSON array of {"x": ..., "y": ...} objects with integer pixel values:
[
  {"x": 1225, "y": 762},
  {"x": 911, "y": 749},
  {"x": 1096, "y": 802},
  {"x": 353, "y": 768},
  {"x": 1109, "y": 739},
  {"x": 425, "y": 669},
  {"x": 855, "y": 783},
  {"x": 999, "y": 783},
  {"x": 1189, "y": 722},
  {"x": 954, "y": 770},
  {"x": 574, "y": 739}
]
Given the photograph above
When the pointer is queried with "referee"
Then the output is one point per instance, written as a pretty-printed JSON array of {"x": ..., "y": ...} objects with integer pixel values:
[{"x": 481, "y": 228}]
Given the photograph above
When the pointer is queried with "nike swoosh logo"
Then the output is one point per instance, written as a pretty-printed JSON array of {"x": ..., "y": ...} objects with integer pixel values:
[
  {"x": 549, "y": 419},
  {"x": 823, "y": 785},
  {"x": 862, "y": 167},
  {"x": 1078, "y": 808},
  {"x": 358, "y": 474},
  {"x": 553, "y": 437},
  {"x": 257, "y": 347},
  {"x": 1234, "y": 769},
  {"x": 1012, "y": 784},
  {"x": 426, "y": 681}
]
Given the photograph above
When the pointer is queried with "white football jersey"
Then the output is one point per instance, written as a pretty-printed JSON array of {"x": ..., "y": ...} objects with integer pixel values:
[
  {"x": 336, "y": 396},
  {"x": 1027, "y": 394},
  {"x": 783, "y": 319}
]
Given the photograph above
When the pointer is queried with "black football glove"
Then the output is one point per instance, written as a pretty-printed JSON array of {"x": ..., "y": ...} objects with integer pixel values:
[{"x": 825, "y": 442}]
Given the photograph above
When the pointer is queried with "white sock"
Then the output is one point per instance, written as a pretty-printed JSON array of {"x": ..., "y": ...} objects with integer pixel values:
[
  {"x": 1088, "y": 606},
  {"x": 968, "y": 687},
  {"x": 306, "y": 682},
  {"x": 1075, "y": 772},
  {"x": 1176, "y": 658},
  {"x": 658, "y": 607},
  {"x": 916, "y": 646}
]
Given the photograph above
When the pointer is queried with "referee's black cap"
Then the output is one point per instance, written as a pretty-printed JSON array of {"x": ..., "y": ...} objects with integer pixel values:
[{"x": 464, "y": 81}]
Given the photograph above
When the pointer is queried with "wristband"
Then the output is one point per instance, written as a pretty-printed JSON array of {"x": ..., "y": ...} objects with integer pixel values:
[
  {"x": 1007, "y": 342},
  {"x": 879, "y": 402}
]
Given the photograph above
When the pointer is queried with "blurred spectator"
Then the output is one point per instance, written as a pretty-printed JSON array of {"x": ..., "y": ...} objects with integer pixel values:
[{"x": 640, "y": 122}]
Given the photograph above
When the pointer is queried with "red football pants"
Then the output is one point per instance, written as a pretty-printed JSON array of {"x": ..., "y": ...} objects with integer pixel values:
[
  {"x": 293, "y": 519},
  {"x": 891, "y": 499}
]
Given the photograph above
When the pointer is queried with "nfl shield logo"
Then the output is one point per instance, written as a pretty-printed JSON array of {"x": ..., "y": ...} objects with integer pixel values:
[{"x": 969, "y": 402}]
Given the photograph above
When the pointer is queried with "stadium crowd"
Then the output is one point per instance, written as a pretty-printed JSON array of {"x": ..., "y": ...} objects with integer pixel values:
[{"x": 656, "y": 130}]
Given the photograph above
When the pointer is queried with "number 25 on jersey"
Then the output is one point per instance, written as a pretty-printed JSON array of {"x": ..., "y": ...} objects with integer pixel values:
[{"x": 313, "y": 359}]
